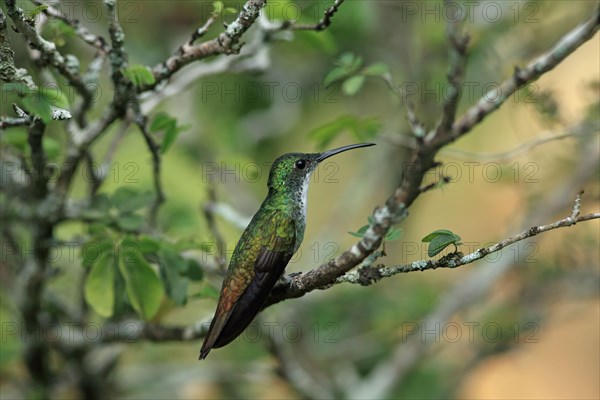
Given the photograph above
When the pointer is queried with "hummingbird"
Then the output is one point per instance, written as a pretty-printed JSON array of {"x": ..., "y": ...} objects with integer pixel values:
[{"x": 266, "y": 246}]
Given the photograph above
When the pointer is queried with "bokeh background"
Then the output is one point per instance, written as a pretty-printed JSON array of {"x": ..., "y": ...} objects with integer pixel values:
[{"x": 541, "y": 317}]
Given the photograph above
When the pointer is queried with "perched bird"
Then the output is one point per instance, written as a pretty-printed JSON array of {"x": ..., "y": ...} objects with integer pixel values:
[{"x": 266, "y": 246}]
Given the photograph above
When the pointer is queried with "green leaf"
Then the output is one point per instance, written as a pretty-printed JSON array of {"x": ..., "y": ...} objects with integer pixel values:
[
  {"x": 437, "y": 233},
  {"x": 162, "y": 121},
  {"x": 171, "y": 267},
  {"x": 38, "y": 105},
  {"x": 126, "y": 199},
  {"x": 393, "y": 234},
  {"x": 352, "y": 85},
  {"x": 100, "y": 286},
  {"x": 230, "y": 10},
  {"x": 144, "y": 288},
  {"x": 139, "y": 75},
  {"x": 371, "y": 220},
  {"x": 94, "y": 250},
  {"x": 377, "y": 69},
  {"x": 349, "y": 61},
  {"x": 360, "y": 232},
  {"x": 55, "y": 96},
  {"x": 99, "y": 207},
  {"x": 97, "y": 230},
  {"x": 439, "y": 240},
  {"x": 168, "y": 139},
  {"x": 101, "y": 202},
  {"x": 37, "y": 10},
  {"x": 194, "y": 270},
  {"x": 130, "y": 222},
  {"x": 218, "y": 7},
  {"x": 336, "y": 74},
  {"x": 148, "y": 245}
]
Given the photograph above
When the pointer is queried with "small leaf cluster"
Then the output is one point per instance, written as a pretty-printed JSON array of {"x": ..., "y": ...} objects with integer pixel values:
[
  {"x": 121, "y": 209},
  {"x": 439, "y": 240},
  {"x": 220, "y": 9},
  {"x": 139, "y": 75},
  {"x": 135, "y": 273},
  {"x": 163, "y": 122},
  {"x": 348, "y": 71}
]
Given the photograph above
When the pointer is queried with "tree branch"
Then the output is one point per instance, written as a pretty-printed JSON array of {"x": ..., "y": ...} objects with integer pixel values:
[
  {"x": 366, "y": 275},
  {"x": 319, "y": 26},
  {"x": 457, "y": 55},
  {"x": 88, "y": 37},
  {"x": 422, "y": 160},
  {"x": 8, "y": 71},
  {"x": 521, "y": 77},
  {"x": 227, "y": 42},
  {"x": 156, "y": 166},
  {"x": 388, "y": 374},
  {"x": 68, "y": 67}
]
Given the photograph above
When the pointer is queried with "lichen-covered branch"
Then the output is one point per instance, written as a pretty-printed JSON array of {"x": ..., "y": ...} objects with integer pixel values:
[
  {"x": 80, "y": 30},
  {"x": 522, "y": 76},
  {"x": 227, "y": 42},
  {"x": 380, "y": 382},
  {"x": 421, "y": 161},
  {"x": 367, "y": 274},
  {"x": 8, "y": 71},
  {"x": 66, "y": 66}
]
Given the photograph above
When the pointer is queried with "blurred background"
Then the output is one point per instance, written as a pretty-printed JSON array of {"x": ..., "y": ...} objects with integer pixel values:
[{"x": 524, "y": 323}]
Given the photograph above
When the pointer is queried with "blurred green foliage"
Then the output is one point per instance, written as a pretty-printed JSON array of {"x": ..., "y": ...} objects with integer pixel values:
[{"x": 319, "y": 89}]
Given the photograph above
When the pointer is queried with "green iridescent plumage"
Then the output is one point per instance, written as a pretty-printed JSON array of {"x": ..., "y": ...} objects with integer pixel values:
[{"x": 266, "y": 246}]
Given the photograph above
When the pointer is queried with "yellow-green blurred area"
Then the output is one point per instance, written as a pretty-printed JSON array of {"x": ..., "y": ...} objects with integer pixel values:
[{"x": 534, "y": 333}]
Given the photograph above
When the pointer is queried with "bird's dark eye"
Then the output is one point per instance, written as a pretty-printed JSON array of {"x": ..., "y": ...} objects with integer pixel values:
[{"x": 300, "y": 164}]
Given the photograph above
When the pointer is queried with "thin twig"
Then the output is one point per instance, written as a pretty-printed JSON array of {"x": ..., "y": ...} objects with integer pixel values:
[
  {"x": 198, "y": 33},
  {"x": 322, "y": 24},
  {"x": 521, "y": 77},
  {"x": 368, "y": 275},
  {"x": 156, "y": 165},
  {"x": 457, "y": 54},
  {"x": 579, "y": 131},
  {"x": 39, "y": 184},
  {"x": 417, "y": 127}
]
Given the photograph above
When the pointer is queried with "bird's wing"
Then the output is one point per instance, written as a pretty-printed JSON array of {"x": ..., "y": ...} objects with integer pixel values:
[{"x": 237, "y": 307}]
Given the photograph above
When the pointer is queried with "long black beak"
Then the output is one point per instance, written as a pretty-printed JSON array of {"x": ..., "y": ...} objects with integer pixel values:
[{"x": 339, "y": 150}]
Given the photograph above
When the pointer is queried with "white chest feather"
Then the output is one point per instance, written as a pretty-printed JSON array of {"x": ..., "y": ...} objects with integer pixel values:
[{"x": 304, "y": 195}]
